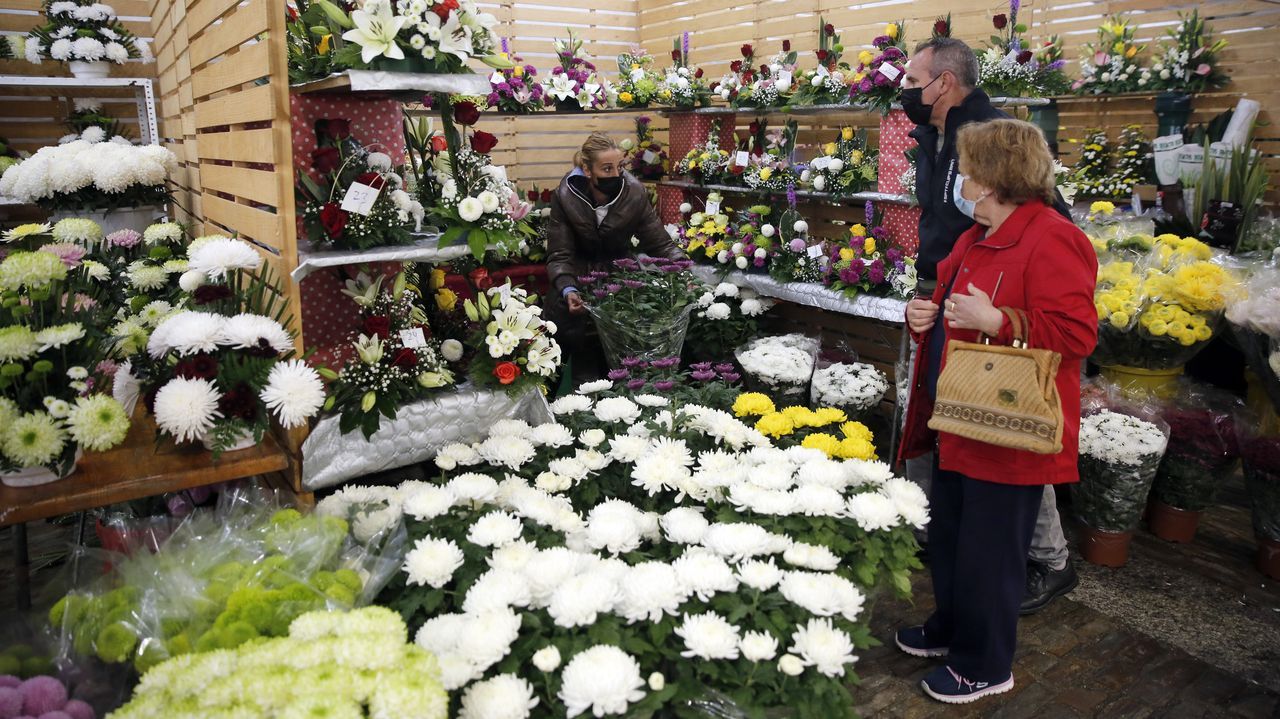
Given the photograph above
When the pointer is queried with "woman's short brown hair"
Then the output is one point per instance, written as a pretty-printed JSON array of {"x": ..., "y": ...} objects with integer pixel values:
[{"x": 1009, "y": 157}]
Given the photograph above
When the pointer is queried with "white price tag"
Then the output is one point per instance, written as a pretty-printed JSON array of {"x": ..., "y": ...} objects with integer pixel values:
[
  {"x": 784, "y": 79},
  {"x": 649, "y": 157},
  {"x": 815, "y": 251},
  {"x": 359, "y": 198},
  {"x": 742, "y": 159},
  {"x": 713, "y": 207},
  {"x": 890, "y": 71},
  {"x": 413, "y": 338}
]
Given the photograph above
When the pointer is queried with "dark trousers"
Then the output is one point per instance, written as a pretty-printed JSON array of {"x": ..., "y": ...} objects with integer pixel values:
[{"x": 979, "y": 533}]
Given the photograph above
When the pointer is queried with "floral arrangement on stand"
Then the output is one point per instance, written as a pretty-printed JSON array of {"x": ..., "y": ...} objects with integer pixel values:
[
  {"x": 1112, "y": 64},
  {"x": 92, "y": 173},
  {"x": 1049, "y": 62},
  {"x": 707, "y": 163},
  {"x": 641, "y": 307},
  {"x": 845, "y": 165},
  {"x": 769, "y": 158},
  {"x": 576, "y": 85},
  {"x": 1119, "y": 456},
  {"x": 1188, "y": 60},
  {"x": 855, "y": 387},
  {"x": 81, "y": 32},
  {"x": 878, "y": 79},
  {"x": 769, "y": 85},
  {"x": 705, "y": 235},
  {"x": 799, "y": 257},
  {"x": 682, "y": 86},
  {"x": 828, "y": 83},
  {"x": 514, "y": 347},
  {"x": 637, "y": 81},
  {"x": 1092, "y": 172},
  {"x": 1008, "y": 67},
  {"x": 1134, "y": 164},
  {"x": 352, "y": 664},
  {"x": 412, "y": 36},
  {"x": 647, "y": 156},
  {"x": 726, "y": 317},
  {"x": 51, "y": 343},
  {"x": 864, "y": 263},
  {"x": 757, "y": 241},
  {"x": 516, "y": 89},
  {"x": 358, "y": 201},
  {"x": 311, "y": 34},
  {"x": 397, "y": 360},
  {"x": 708, "y": 383}
]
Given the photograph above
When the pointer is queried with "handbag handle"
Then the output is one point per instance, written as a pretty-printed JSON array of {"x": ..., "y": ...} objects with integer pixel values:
[{"x": 1019, "y": 324}]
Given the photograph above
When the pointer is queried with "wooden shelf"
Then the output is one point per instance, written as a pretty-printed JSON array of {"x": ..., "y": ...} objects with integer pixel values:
[
  {"x": 801, "y": 194},
  {"x": 138, "y": 468}
]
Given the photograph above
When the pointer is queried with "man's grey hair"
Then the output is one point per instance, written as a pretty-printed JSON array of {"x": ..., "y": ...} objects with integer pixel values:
[{"x": 950, "y": 54}]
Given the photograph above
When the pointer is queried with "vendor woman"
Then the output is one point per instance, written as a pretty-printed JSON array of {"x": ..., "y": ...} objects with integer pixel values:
[{"x": 599, "y": 213}]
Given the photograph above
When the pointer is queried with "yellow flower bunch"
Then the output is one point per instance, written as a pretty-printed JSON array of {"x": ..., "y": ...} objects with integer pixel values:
[
  {"x": 1161, "y": 320},
  {"x": 825, "y": 442},
  {"x": 1102, "y": 207},
  {"x": 775, "y": 425},
  {"x": 1200, "y": 286},
  {"x": 1171, "y": 248},
  {"x": 891, "y": 30},
  {"x": 625, "y": 96},
  {"x": 752, "y": 404}
]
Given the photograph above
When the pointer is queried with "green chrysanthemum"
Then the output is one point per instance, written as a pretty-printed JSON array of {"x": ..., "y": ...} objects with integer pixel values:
[
  {"x": 80, "y": 231},
  {"x": 17, "y": 343},
  {"x": 31, "y": 270},
  {"x": 59, "y": 335},
  {"x": 33, "y": 440},
  {"x": 146, "y": 277},
  {"x": 98, "y": 422},
  {"x": 162, "y": 232}
]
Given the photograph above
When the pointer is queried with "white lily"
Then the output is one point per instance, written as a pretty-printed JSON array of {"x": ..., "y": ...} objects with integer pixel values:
[
  {"x": 561, "y": 87},
  {"x": 455, "y": 38},
  {"x": 375, "y": 31}
]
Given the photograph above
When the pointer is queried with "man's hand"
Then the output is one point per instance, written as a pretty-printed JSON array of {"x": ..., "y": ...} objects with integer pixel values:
[
  {"x": 576, "y": 305},
  {"x": 921, "y": 314}
]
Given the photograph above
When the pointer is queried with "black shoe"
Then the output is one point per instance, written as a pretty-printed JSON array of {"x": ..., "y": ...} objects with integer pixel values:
[{"x": 1045, "y": 585}]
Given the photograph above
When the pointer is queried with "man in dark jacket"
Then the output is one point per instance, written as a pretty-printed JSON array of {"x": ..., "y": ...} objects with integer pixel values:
[
  {"x": 940, "y": 95},
  {"x": 599, "y": 213}
]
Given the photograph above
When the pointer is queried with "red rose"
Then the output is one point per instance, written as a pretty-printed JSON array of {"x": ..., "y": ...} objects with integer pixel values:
[
  {"x": 764, "y": 70},
  {"x": 941, "y": 29},
  {"x": 293, "y": 13},
  {"x": 1024, "y": 57},
  {"x": 325, "y": 159},
  {"x": 483, "y": 142},
  {"x": 1000, "y": 21},
  {"x": 786, "y": 46},
  {"x": 546, "y": 195},
  {"x": 531, "y": 195},
  {"x": 506, "y": 372},
  {"x": 372, "y": 179},
  {"x": 675, "y": 55},
  {"x": 338, "y": 128},
  {"x": 438, "y": 143},
  {"x": 697, "y": 73},
  {"x": 405, "y": 359},
  {"x": 480, "y": 278},
  {"x": 746, "y": 51},
  {"x": 735, "y": 66},
  {"x": 822, "y": 56},
  {"x": 334, "y": 219},
  {"x": 736, "y": 169},
  {"x": 829, "y": 29},
  {"x": 753, "y": 128},
  {"x": 240, "y": 403},
  {"x": 465, "y": 113},
  {"x": 377, "y": 325},
  {"x": 443, "y": 9}
]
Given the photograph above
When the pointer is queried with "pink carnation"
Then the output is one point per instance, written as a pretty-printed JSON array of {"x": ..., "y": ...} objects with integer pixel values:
[{"x": 70, "y": 253}]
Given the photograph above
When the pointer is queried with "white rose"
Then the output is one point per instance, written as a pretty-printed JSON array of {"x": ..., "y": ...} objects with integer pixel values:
[
  {"x": 790, "y": 665},
  {"x": 805, "y": 176},
  {"x": 819, "y": 183},
  {"x": 741, "y": 262},
  {"x": 722, "y": 256},
  {"x": 737, "y": 248},
  {"x": 767, "y": 230},
  {"x": 800, "y": 227},
  {"x": 837, "y": 165},
  {"x": 489, "y": 200},
  {"x": 724, "y": 94},
  {"x": 470, "y": 209},
  {"x": 452, "y": 350},
  {"x": 817, "y": 81},
  {"x": 547, "y": 659}
]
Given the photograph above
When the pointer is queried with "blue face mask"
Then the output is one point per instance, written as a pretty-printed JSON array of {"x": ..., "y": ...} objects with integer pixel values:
[{"x": 965, "y": 206}]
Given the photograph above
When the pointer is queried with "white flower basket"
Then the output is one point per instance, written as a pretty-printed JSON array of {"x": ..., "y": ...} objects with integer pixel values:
[
  {"x": 36, "y": 476},
  {"x": 126, "y": 218},
  {"x": 245, "y": 441},
  {"x": 89, "y": 70}
]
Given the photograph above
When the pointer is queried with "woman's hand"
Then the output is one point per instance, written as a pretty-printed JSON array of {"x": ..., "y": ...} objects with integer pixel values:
[
  {"x": 921, "y": 314},
  {"x": 974, "y": 311},
  {"x": 576, "y": 305}
]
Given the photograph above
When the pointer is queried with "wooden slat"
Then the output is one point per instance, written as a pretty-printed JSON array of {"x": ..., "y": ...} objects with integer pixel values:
[
  {"x": 241, "y": 182},
  {"x": 264, "y": 227},
  {"x": 249, "y": 64},
  {"x": 247, "y": 22},
  {"x": 252, "y": 105},
  {"x": 202, "y": 13},
  {"x": 240, "y": 145}
]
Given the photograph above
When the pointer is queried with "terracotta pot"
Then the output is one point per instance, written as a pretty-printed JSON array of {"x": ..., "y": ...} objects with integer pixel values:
[
  {"x": 1268, "y": 559},
  {"x": 1172, "y": 524},
  {"x": 1107, "y": 549}
]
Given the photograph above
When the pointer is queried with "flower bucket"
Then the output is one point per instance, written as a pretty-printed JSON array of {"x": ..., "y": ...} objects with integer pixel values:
[
  {"x": 36, "y": 476},
  {"x": 1045, "y": 117},
  {"x": 89, "y": 70},
  {"x": 125, "y": 218},
  {"x": 1166, "y": 151},
  {"x": 649, "y": 339},
  {"x": 1172, "y": 524},
  {"x": 244, "y": 440},
  {"x": 1137, "y": 382},
  {"x": 568, "y": 106},
  {"x": 1173, "y": 109},
  {"x": 1106, "y": 549}
]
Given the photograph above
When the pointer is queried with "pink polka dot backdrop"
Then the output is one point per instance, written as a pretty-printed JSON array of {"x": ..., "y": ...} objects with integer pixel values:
[
  {"x": 903, "y": 223},
  {"x": 669, "y": 201}
]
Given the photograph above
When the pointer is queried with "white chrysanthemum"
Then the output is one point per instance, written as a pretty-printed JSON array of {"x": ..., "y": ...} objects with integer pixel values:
[
  {"x": 685, "y": 525},
  {"x": 758, "y": 646},
  {"x": 578, "y": 601},
  {"x": 772, "y": 475},
  {"x": 603, "y": 680},
  {"x": 59, "y": 335},
  {"x": 162, "y": 232},
  {"x": 505, "y": 696},
  {"x": 497, "y": 589},
  {"x": 592, "y": 437},
  {"x": 593, "y": 460},
  {"x": 655, "y": 474},
  {"x": 811, "y": 556},
  {"x": 187, "y": 333},
  {"x": 473, "y": 487},
  {"x": 718, "y": 464},
  {"x": 748, "y": 498},
  {"x": 549, "y": 569},
  {"x": 510, "y": 428},
  {"x": 513, "y": 556},
  {"x": 294, "y": 391},
  {"x": 617, "y": 409},
  {"x": 718, "y": 311},
  {"x": 615, "y": 526},
  {"x": 823, "y": 472},
  {"x": 817, "y": 501},
  {"x": 650, "y": 590},
  {"x": 187, "y": 408},
  {"x": 872, "y": 511},
  {"x": 596, "y": 386},
  {"x": 552, "y": 482},
  {"x": 703, "y": 573},
  {"x": 742, "y": 540},
  {"x": 571, "y": 468},
  {"x": 819, "y": 644},
  {"x": 452, "y": 455},
  {"x": 759, "y": 574},
  {"x": 247, "y": 331},
  {"x": 627, "y": 448},
  {"x": 861, "y": 472},
  {"x": 510, "y": 452},
  {"x": 726, "y": 289},
  {"x": 569, "y": 404},
  {"x": 125, "y": 387},
  {"x": 547, "y": 659},
  {"x": 551, "y": 434},
  {"x": 32, "y": 440},
  {"x": 432, "y": 562},
  {"x": 216, "y": 256},
  {"x": 651, "y": 400},
  {"x": 428, "y": 502},
  {"x": 909, "y": 500},
  {"x": 495, "y": 529},
  {"x": 708, "y": 636},
  {"x": 97, "y": 422},
  {"x": 823, "y": 594}
]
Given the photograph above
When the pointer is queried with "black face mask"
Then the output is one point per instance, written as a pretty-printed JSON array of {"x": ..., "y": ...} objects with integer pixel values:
[
  {"x": 610, "y": 186},
  {"x": 913, "y": 104}
]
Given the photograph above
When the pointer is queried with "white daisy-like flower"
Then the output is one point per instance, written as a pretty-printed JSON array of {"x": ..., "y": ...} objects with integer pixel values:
[
  {"x": 187, "y": 408},
  {"x": 909, "y": 500},
  {"x": 216, "y": 256},
  {"x": 495, "y": 529},
  {"x": 250, "y": 331},
  {"x": 592, "y": 437},
  {"x": 505, "y": 696},
  {"x": 745, "y": 497},
  {"x": 551, "y": 434},
  {"x": 552, "y": 482},
  {"x": 570, "y": 468},
  {"x": 473, "y": 487},
  {"x": 703, "y": 573},
  {"x": 759, "y": 574},
  {"x": 627, "y": 448},
  {"x": 428, "y": 502},
  {"x": 591, "y": 459},
  {"x": 758, "y": 646},
  {"x": 578, "y": 601},
  {"x": 432, "y": 562},
  {"x": 740, "y": 541},
  {"x": 650, "y": 590},
  {"x": 862, "y": 472},
  {"x": 510, "y": 452},
  {"x": 708, "y": 636},
  {"x": 617, "y": 409},
  {"x": 451, "y": 456},
  {"x": 819, "y": 644},
  {"x": 510, "y": 428},
  {"x": 655, "y": 474},
  {"x": 513, "y": 556},
  {"x": 811, "y": 556},
  {"x": 651, "y": 400},
  {"x": 497, "y": 589},
  {"x": 602, "y": 680},
  {"x": 550, "y": 568},
  {"x": 592, "y": 387},
  {"x": 187, "y": 333},
  {"x": 294, "y": 391},
  {"x": 615, "y": 526},
  {"x": 822, "y": 593},
  {"x": 162, "y": 232},
  {"x": 823, "y": 472},
  {"x": 685, "y": 525},
  {"x": 59, "y": 335},
  {"x": 817, "y": 501},
  {"x": 872, "y": 511},
  {"x": 570, "y": 404},
  {"x": 547, "y": 659}
]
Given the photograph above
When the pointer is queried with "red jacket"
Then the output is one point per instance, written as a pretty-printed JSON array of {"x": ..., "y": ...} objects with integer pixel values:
[{"x": 1045, "y": 265}]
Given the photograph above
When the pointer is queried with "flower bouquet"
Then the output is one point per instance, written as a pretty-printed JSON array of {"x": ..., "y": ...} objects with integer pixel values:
[
  {"x": 51, "y": 344},
  {"x": 86, "y": 35},
  {"x": 1133, "y": 164},
  {"x": 1007, "y": 68},
  {"x": 828, "y": 83},
  {"x": 825, "y": 429},
  {"x": 726, "y": 318},
  {"x": 637, "y": 81},
  {"x": 770, "y": 150},
  {"x": 641, "y": 308},
  {"x": 855, "y": 387},
  {"x": 1112, "y": 65},
  {"x": 752, "y": 244},
  {"x": 779, "y": 366},
  {"x": 576, "y": 85},
  {"x": 706, "y": 383},
  {"x": 1049, "y": 62},
  {"x": 352, "y": 664},
  {"x": 1092, "y": 171},
  {"x": 414, "y": 36},
  {"x": 396, "y": 359},
  {"x": 705, "y": 236},
  {"x": 516, "y": 89},
  {"x": 845, "y": 166},
  {"x": 1255, "y": 325},
  {"x": 772, "y": 85},
  {"x": 1202, "y": 453},
  {"x": 1260, "y": 457},
  {"x": 90, "y": 174},
  {"x": 682, "y": 86},
  {"x": 515, "y": 348},
  {"x": 1119, "y": 456},
  {"x": 706, "y": 163},
  {"x": 1188, "y": 60},
  {"x": 862, "y": 263},
  {"x": 647, "y": 157},
  {"x": 359, "y": 202},
  {"x": 311, "y": 35},
  {"x": 878, "y": 79},
  {"x": 799, "y": 257},
  {"x": 142, "y": 269}
]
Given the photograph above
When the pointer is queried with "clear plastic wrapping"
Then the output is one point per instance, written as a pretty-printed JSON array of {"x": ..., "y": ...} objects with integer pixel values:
[
  {"x": 780, "y": 366},
  {"x": 841, "y": 381},
  {"x": 1202, "y": 446},
  {"x": 1121, "y": 446},
  {"x": 1259, "y": 439},
  {"x": 652, "y": 338}
]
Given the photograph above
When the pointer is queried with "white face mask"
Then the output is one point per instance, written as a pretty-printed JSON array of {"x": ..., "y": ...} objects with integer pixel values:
[{"x": 968, "y": 207}]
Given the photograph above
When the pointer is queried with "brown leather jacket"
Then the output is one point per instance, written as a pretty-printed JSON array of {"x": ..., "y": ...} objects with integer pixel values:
[{"x": 576, "y": 245}]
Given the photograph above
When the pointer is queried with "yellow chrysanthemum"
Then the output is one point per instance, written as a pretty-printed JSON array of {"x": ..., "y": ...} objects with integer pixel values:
[
  {"x": 865, "y": 57},
  {"x": 1102, "y": 207},
  {"x": 856, "y": 430},
  {"x": 799, "y": 416},
  {"x": 765, "y": 173},
  {"x": 825, "y": 442},
  {"x": 1119, "y": 319},
  {"x": 1203, "y": 333},
  {"x": 752, "y": 404},
  {"x": 824, "y": 416},
  {"x": 856, "y": 448},
  {"x": 775, "y": 425},
  {"x": 1157, "y": 328},
  {"x": 1199, "y": 286}
]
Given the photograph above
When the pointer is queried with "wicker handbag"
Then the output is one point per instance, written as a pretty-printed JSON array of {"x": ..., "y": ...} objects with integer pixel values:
[{"x": 1005, "y": 396}]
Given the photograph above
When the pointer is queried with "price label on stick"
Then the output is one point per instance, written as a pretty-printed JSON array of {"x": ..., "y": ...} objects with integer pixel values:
[
  {"x": 815, "y": 251},
  {"x": 413, "y": 338},
  {"x": 784, "y": 79},
  {"x": 742, "y": 159},
  {"x": 890, "y": 71},
  {"x": 649, "y": 157},
  {"x": 360, "y": 198},
  {"x": 713, "y": 207}
]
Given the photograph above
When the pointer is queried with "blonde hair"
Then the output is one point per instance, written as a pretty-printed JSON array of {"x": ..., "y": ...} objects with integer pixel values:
[
  {"x": 597, "y": 142},
  {"x": 1010, "y": 157}
]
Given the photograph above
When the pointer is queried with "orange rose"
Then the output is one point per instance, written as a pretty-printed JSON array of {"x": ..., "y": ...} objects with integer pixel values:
[{"x": 506, "y": 372}]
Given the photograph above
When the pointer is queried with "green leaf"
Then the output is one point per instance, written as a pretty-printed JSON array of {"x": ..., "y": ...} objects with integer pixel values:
[{"x": 478, "y": 240}]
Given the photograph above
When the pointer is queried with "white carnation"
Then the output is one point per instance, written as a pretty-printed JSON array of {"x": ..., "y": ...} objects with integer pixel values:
[
  {"x": 495, "y": 529},
  {"x": 708, "y": 636},
  {"x": 432, "y": 562},
  {"x": 603, "y": 680}
]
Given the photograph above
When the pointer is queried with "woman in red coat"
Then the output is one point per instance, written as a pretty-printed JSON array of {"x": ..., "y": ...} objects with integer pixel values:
[{"x": 1021, "y": 254}]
